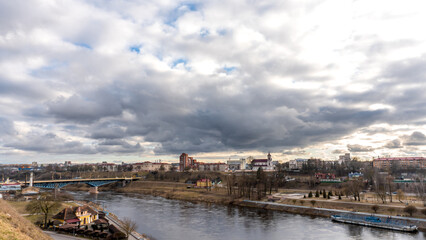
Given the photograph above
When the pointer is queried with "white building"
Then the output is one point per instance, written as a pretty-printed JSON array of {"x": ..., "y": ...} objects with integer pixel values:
[
  {"x": 345, "y": 158},
  {"x": 265, "y": 164},
  {"x": 234, "y": 165},
  {"x": 297, "y": 164}
]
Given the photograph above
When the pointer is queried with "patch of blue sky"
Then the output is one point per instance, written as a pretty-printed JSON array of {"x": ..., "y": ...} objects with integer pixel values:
[
  {"x": 83, "y": 45},
  {"x": 229, "y": 69},
  {"x": 222, "y": 32},
  {"x": 204, "y": 32},
  {"x": 136, "y": 49},
  {"x": 48, "y": 68},
  {"x": 179, "y": 61},
  {"x": 179, "y": 11}
]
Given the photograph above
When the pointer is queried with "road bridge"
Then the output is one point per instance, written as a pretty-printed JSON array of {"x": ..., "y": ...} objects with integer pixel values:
[{"x": 93, "y": 182}]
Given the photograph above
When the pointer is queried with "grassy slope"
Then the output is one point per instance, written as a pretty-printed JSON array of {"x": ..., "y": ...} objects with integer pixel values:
[{"x": 14, "y": 226}]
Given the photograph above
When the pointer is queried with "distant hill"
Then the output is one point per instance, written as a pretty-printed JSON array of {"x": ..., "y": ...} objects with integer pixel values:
[{"x": 15, "y": 227}]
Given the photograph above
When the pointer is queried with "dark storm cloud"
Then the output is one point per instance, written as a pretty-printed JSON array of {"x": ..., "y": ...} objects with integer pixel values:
[
  {"x": 85, "y": 109},
  {"x": 106, "y": 130},
  {"x": 118, "y": 146},
  {"x": 294, "y": 152},
  {"x": 49, "y": 143},
  {"x": 359, "y": 148}
]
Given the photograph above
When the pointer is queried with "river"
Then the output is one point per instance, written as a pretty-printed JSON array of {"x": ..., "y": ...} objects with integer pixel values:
[{"x": 165, "y": 219}]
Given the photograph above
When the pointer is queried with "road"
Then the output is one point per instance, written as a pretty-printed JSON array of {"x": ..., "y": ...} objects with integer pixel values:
[{"x": 58, "y": 236}]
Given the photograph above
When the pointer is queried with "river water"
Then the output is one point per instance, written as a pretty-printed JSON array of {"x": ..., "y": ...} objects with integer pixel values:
[{"x": 166, "y": 219}]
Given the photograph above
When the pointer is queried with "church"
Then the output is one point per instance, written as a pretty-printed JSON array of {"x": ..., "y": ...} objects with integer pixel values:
[{"x": 266, "y": 164}]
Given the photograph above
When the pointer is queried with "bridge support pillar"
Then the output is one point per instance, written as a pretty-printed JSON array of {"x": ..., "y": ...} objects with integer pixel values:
[
  {"x": 93, "y": 190},
  {"x": 124, "y": 183}
]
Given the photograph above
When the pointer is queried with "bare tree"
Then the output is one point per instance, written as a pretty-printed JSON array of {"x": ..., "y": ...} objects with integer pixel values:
[
  {"x": 400, "y": 195},
  {"x": 421, "y": 189},
  {"x": 46, "y": 205},
  {"x": 129, "y": 226},
  {"x": 410, "y": 210},
  {"x": 375, "y": 208},
  {"x": 380, "y": 187}
]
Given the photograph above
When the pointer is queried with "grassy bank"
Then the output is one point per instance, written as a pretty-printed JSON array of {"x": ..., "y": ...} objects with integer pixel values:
[
  {"x": 14, "y": 226},
  {"x": 177, "y": 191}
]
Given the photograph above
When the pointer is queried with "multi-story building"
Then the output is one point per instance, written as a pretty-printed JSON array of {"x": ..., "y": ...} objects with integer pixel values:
[
  {"x": 297, "y": 164},
  {"x": 400, "y": 162},
  {"x": 345, "y": 158},
  {"x": 217, "y": 167},
  {"x": 107, "y": 167},
  {"x": 235, "y": 165},
  {"x": 187, "y": 161},
  {"x": 150, "y": 166}
]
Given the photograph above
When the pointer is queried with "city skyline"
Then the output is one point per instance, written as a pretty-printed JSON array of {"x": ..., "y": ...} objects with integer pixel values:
[{"x": 144, "y": 80}]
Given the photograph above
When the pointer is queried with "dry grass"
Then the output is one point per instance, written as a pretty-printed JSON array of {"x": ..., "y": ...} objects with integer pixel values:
[
  {"x": 14, "y": 226},
  {"x": 20, "y": 207}
]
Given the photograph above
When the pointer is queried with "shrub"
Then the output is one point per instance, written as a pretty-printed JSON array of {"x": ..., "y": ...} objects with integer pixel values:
[
  {"x": 423, "y": 211},
  {"x": 313, "y": 202},
  {"x": 317, "y": 194},
  {"x": 324, "y": 195},
  {"x": 310, "y": 195},
  {"x": 410, "y": 210},
  {"x": 375, "y": 208}
]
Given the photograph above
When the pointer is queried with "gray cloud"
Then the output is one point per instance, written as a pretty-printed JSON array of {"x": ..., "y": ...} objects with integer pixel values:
[
  {"x": 49, "y": 143},
  {"x": 339, "y": 151},
  {"x": 415, "y": 139},
  {"x": 359, "y": 148},
  {"x": 396, "y": 143},
  {"x": 6, "y": 127},
  {"x": 294, "y": 152},
  {"x": 85, "y": 109}
]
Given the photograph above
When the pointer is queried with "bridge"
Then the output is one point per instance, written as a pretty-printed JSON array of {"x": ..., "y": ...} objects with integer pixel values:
[{"x": 93, "y": 182}]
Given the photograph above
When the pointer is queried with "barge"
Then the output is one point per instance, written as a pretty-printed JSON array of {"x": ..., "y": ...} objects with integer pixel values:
[{"x": 373, "y": 221}]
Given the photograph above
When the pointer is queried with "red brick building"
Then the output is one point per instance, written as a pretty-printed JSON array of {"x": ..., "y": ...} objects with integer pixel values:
[{"x": 187, "y": 161}]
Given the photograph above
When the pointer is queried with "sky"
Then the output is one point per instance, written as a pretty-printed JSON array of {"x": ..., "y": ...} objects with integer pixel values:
[{"x": 91, "y": 81}]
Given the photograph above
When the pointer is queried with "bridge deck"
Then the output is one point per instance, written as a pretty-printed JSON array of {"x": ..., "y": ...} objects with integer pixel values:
[{"x": 84, "y": 180}]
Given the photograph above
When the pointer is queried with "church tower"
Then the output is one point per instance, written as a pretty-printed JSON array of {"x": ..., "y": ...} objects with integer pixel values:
[{"x": 269, "y": 159}]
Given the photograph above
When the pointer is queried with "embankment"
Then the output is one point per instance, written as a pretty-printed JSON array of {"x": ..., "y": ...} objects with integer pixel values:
[
  {"x": 323, "y": 212},
  {"x": 14, "y": 226},
  {"x": 180, "y": 191}
]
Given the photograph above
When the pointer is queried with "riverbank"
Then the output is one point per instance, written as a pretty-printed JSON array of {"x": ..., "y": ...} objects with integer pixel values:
[{"x": 181, "y": 191}]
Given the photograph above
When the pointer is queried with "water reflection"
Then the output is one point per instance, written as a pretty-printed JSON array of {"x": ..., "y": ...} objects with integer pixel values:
[{"x": 173, "y": 219}]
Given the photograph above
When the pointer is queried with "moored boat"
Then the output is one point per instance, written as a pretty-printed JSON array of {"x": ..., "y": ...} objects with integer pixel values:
[{"x": 373, "y": 221}]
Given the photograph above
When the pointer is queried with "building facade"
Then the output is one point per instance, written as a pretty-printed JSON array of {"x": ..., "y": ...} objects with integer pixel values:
[
  {"x": 216, "y": 167},
  {"x": 235, "y": 165},
  {"x": 297, "y": 164},
  {"x": 151, "y": 166},
  {"x": 81, "y": 215},
  {"x": 400, "y": 162},
  {"x": 186, "y": 161}
]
